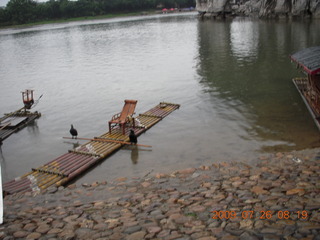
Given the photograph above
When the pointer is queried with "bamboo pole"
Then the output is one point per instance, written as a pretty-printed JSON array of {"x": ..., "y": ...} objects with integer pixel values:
[
  {"x": 4, "y": 126},
  {"x": 121, "y": 141},
  {"x": 107, "y": 140}
]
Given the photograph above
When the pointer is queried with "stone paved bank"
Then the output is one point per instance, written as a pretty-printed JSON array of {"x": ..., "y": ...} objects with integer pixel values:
[{"x": 277, "y": 199}]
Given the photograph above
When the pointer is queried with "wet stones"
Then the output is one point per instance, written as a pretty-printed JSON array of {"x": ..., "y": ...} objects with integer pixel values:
[
  {"x": 187, "y": 171},
  {"x": 193, "y": 203}
]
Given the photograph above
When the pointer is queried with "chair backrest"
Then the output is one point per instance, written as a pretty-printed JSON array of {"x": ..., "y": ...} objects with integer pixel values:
[{"x": 128, "y": 109}]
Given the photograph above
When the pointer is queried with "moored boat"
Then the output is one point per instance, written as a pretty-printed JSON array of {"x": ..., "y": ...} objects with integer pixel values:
[
  {"x": 15, "y": 121},
  {"x": 308, "y": 60}
]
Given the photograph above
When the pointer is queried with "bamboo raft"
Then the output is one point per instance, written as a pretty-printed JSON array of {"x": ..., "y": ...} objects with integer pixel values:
[
  {"x": 15, "y": 121},
  {"x": 61, "y": 170}
]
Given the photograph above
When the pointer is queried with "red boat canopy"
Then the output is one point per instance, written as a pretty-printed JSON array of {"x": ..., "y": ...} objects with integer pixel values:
[{"x": 308, "y": 59}]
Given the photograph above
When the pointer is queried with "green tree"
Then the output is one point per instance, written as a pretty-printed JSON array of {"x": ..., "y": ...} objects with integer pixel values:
[
  {"x": 21, "y": 11},
  {"x": 68, "y": 8},
  {"x": 4, "y": 17},
  {"x": 53, "y": 9}
]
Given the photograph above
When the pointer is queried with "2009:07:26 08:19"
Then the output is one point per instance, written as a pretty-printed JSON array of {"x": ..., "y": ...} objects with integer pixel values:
[{"x": 248, "y": 214}]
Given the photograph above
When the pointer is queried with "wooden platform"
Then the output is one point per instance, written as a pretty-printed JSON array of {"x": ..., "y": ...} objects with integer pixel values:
[
  {"x": 61, "y": 170},
  {"x": 15, "y": 121}
]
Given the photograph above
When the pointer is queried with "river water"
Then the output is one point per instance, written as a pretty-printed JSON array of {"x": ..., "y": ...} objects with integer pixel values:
[{"x": 232, "y": 79}]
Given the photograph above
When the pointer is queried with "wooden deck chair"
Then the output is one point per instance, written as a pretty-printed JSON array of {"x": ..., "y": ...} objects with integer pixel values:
[{"x": 124, "y": 116}]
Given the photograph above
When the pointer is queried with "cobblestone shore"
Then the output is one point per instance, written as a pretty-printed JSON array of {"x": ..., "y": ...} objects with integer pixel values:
[{"x": 279, "y": 198}]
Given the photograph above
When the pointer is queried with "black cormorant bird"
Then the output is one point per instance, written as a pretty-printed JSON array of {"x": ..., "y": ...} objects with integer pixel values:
[
  {"x": 73, "y": 132},
  {"x": 133, "y": 137}
]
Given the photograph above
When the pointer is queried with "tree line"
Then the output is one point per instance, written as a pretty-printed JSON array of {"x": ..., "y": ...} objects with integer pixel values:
[{"x": 28, "y": 11}]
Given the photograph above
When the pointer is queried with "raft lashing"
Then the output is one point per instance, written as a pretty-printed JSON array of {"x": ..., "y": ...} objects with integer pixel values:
[{"x": 61, "y": 170}]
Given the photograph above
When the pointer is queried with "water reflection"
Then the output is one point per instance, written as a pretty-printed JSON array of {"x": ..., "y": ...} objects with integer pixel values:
[
  {"x": 33, "y": 128},
  {"x": 74, "y": 144},
  {"x": 244, "y": 38},
  {"x": 254, "y": 91},
  {"x": 134, "y": 154}
]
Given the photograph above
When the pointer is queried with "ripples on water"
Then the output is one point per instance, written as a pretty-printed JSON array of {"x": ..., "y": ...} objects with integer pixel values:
[{"x": 232, "y": 79}]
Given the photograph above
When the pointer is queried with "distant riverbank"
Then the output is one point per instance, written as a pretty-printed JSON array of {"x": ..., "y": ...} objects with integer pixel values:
[
  {"x": 85, "y": 18},
  {"x": 64, "y": 20}
]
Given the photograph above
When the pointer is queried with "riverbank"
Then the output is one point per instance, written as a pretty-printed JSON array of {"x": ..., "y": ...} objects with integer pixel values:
[
  {"x": 278, "y": 198},
  {"x": 86, "y": 18}
]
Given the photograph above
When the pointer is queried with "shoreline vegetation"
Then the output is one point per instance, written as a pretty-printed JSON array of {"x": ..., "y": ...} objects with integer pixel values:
[
  {"x": 85, "y": 18},
  {"x": 18, "y": 12}
]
